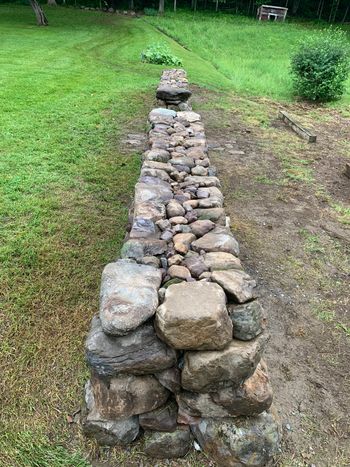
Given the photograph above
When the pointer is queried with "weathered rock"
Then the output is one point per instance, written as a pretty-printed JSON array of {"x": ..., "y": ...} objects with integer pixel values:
[
  {"x": 138, "y": 248},
  {"x": 218, "y": 239},
  {"x": 128, "y": 296},
  {"x": 248, "y": 320},
  {"x": 168, "y": 445},
  {"x": 216, "y": 215},
  {"x": 157, "y": 155},
  {"x": 182, "y": 242},
  {"x": 106, "y": 432},
  {"x": 237, "y": 283},
  {"x": 152, "y": 189},
  {"x": 143, "y": 228},
  {"x": 128, "y": 395},
  {"x": 244, "y": 441},
  {"x": 210, "y": 371},
  {"x": 155, "y": 114},
  {"x": 182, "y": 161},
  {"x": 162, "y": 174},
  {"x": 158, "y": 165},
  {"x": 167, "y": 235},
  {"x": 189, "y": 116},
  {"x": 211, "y": 202},
  {"x": 174, "y": 209},
  {"x": 139, "y": 352},
  {"x": 179, "y": 271},
  {"x": 150, "y": 261},
  {"x": 201, "y": 181},
  {"x": 175, "y": 260},
  {"x": 194, "y": 316},
  {"x": 170, "y": 379},
  {"x": 252, "y": 397},
  {"x": 153, "y": 210},
  {"x": 178, "y": 220},
  {"x": 201, "y": 227},
  {"x": 161, "y": 419},
  {"x": 195, "y": 264},
  {"x": 216, "y": 261},
  {"x": 197, "y": 152},
  {"x": 171, "y": 93},
  {"x": 199, "y": 170}
]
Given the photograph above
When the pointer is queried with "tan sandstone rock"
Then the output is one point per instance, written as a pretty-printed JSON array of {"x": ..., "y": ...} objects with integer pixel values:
[{"x": 194, "y": 316}]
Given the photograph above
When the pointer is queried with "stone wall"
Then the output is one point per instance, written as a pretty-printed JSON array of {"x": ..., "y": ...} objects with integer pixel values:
[{"x": 176, "y": 350}]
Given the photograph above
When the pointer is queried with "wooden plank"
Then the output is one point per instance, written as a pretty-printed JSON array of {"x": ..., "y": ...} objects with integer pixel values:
[{"x": 295, "y": 126}]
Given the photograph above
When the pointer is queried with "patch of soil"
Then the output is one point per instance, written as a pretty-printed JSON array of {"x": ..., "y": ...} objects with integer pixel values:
[{"x": 288, "y": 230}]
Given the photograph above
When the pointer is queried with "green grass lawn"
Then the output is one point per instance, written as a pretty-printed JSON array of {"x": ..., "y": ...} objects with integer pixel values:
[
  {"x": 67, "y": 94},
  {"x": 253, "y": 55}
]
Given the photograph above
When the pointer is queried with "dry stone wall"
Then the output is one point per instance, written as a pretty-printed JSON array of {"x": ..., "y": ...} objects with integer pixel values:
[{"x": 176, "y": 350}]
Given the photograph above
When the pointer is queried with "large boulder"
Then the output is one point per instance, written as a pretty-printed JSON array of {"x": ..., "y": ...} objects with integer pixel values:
[
  {"x": 162, "y": 445},
  {"x": 128, "y": 296},
  {"x": 210, "y": 371},
  {"x": 152, "y": 189},
  {"x": 252, "y": 397},
  {"x": 219, "y": 239},
  {"x": 244, "y": 441},
  {"x": 140, "y": 352},
  {"x": 169, "y": 93},
  {"x": 194, "y": 316},
  {"x": 106, "y": 432},
  {"x": 236, "y": 283},
  {"x": 127, "y": 395}
]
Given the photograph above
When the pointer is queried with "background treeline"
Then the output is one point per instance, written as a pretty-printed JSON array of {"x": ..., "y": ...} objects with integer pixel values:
[{"x": 331, "y": 11}]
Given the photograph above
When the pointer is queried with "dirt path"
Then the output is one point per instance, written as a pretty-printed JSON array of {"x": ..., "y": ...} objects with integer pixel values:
[{"x": 289, "y": 206}]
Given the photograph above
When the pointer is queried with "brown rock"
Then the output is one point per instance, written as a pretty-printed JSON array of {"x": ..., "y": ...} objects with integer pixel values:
[
  {"x": 128, "y": 395},
  {"x": 162, "y": 419},
  {"x": 218, "y": 260},
  {"x": 179, "y": 271},
  {"x": 194, "y": 316},
  {"x": 201, "y": 227},
  {"x": 218, "y": 239},
  {"x": 210, "y": 371},
  {"x": 183, "y": 241}
]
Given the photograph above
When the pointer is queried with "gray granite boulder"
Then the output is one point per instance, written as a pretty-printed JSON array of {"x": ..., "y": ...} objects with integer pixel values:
[
  {"x": 244, "y": 441},
  {"x": 218, "y": 239},
  {"x": 140, "y": 352},
  {"x": 248, "y": 320},
  {"x": 138, "y": 248},
  {"x": 128, "y": 296},
  {"x": 168, "y": 445},
  {"x": 236, "y": 283}
]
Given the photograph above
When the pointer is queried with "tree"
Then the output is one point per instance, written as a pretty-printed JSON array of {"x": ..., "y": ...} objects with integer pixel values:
[
  {"x": 52, "y": 2},
  {"x": 39, "y": 13},
  {"x": 161, "y": 7}
]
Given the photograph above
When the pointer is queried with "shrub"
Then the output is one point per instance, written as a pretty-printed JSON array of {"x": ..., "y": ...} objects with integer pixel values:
[
  {"x": 150, "y": 12},
  {"x": 320, "y": 66},
  {"x": 160, "y": 54}
]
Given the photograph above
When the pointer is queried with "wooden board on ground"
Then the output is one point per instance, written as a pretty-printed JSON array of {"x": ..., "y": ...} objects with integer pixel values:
[{"x": 301, "y": 131}]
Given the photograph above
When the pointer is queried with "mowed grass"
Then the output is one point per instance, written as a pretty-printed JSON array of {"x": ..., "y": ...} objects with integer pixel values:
[
  {"x": 68, "y": 92},
  {"x": 254, "y": 56}
]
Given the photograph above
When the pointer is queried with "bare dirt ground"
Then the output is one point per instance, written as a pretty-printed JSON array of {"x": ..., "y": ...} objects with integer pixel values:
[{"x": 289, "y": 206}]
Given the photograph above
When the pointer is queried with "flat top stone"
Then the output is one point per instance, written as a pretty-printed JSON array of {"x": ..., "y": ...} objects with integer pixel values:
[
  {"x": 161, "y": 112},
  {"x": 189, "y": 116},
  {"x": 219, "y": 239},
  {"x": 237, "y": 283},
  {"x": 194, "y": 316},
  {"x": 128, "y": 296}
]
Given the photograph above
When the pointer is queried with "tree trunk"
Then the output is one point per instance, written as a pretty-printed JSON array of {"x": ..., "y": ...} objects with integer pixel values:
[
  {"x": 131, "y": 5},
  {"x": 320, "y": 9},
  {"x": 52, "y": 2},
  {"x": 161, "y": 7},
  {"x": 195, "y": 5},
  {"x": 40, "y": 15},
  {"x": 217, "y": 5},
  {"x": 296, "y": 4},
  {"x": 346, "y": 13},
  {"x": 175, "y": 6}
]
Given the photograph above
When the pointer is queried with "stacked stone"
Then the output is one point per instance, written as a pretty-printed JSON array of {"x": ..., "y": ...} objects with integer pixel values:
[
  {"x": 175, "y": 353},
  {"x": 173, "y": 91}
]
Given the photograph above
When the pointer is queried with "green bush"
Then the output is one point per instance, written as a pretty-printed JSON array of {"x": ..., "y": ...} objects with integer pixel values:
[
  {"x": 320, "y": 66},
  {"x": 150, "y": 12},
  {"x": 160, "y": 54}
]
